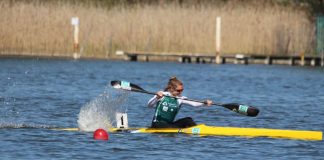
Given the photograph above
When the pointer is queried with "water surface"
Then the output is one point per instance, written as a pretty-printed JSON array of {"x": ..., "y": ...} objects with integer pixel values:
[{"x": 36, "y": 95}]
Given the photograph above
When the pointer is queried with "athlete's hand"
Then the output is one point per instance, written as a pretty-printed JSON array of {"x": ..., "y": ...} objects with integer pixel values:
[
  {"x": 159, "y": 94},
  {"x": 208, "y": 102}
]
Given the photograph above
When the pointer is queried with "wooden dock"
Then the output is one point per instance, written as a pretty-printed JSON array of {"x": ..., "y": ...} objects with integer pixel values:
[{"x": 223, "y": 59}]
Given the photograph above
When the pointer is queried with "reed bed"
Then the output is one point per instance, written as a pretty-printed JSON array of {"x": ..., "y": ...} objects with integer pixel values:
[{"x": 37, "y": 28}]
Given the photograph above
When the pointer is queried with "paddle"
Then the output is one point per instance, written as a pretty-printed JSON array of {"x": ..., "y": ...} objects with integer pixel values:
[{"x": 238, "y": 108}]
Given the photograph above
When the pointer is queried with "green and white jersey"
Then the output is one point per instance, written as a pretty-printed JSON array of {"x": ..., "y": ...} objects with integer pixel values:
[{"x": 168, "y": 107}]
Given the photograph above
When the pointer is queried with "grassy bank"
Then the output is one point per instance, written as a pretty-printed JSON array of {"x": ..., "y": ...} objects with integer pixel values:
[{"x": 45, "y": 28}]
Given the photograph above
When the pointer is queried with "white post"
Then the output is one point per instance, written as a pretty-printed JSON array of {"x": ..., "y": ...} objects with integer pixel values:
[
  {"x": 218, "y": 39},
  {"x": 75, "y": 23}
]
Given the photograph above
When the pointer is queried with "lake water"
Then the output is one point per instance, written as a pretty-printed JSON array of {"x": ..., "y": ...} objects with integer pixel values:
[{"x": 37, "y": 95}]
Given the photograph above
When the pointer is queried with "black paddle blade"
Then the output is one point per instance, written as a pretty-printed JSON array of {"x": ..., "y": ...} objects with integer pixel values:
[
  {"x": 126, "y": 86},
  {"x": 242, "y": 109}
]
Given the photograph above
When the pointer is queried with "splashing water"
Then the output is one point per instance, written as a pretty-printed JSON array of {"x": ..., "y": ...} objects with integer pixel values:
[{"x": 100, "y": 112}]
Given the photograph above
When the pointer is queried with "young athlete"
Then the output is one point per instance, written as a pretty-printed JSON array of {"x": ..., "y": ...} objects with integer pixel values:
[{"x": 168, "y": 107}]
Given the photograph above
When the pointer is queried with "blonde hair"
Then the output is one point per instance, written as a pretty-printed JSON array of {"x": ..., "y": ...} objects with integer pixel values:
[{"x": 173, "y": 83}]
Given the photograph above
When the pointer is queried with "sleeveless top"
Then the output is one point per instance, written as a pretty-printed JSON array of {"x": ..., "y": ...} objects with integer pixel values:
[
  {"x": 168, "y": 107},
  {"x": 166, "y": 110}
]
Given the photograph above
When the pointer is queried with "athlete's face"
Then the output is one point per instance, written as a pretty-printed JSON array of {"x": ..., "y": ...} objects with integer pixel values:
[{"x": 177, "y": 90}]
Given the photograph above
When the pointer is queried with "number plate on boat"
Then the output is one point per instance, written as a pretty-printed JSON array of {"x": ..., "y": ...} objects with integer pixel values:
[{"x": 195, "y": 130}]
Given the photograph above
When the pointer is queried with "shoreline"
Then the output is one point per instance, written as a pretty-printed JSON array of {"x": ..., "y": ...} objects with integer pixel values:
[{"x": 240, "y": 59}]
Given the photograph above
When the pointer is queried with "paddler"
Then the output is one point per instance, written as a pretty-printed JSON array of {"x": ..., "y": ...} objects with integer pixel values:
[{"x": 168, "y": 107}]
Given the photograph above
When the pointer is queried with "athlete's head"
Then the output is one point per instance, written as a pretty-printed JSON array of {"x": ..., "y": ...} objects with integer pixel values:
[{"x": 175, "y": 86}]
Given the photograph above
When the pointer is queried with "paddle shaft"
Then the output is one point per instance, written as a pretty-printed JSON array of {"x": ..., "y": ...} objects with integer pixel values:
[
  {"x": 152, "y": 93},
  {"x": 238, "y": 108}
]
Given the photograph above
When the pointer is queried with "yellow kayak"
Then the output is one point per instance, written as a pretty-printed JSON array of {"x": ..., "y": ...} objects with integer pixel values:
[{"x": 204, "y": 130}]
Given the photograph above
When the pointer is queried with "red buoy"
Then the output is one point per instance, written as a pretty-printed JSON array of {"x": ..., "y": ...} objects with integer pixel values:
[{"x": 100, "y": 134}]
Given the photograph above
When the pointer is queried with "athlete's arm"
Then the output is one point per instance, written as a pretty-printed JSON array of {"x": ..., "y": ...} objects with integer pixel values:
[
  {"x": 196, "y": 104},
  {"x": 152, "y": 102}
]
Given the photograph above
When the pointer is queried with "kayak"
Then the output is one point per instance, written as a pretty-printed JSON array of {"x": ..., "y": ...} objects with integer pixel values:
[{"x": 204, "y": 130}]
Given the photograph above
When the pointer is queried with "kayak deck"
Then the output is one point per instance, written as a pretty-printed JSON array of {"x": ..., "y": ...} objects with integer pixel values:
[
  {"x": 205, "y": 130},
  {"x": 202, "y": 129}
]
